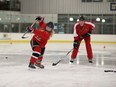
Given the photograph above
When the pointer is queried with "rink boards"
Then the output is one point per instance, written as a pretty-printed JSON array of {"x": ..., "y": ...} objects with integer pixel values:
[{"x": 57, "y": 38}]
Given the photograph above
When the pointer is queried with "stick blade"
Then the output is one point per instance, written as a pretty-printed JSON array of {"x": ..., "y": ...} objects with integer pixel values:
[
  {"x": 54, "y": 64},
  {"x": 108, "y": 70},
  {"x": 24, "y": 37}
]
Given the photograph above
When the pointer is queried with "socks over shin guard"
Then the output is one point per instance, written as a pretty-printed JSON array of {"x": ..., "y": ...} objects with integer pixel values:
[
  {"x": 38, "y": 61},
  {"x": 33, "y": 60}
]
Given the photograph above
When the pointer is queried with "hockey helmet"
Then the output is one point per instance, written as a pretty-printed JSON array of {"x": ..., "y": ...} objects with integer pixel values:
[
  {"x": 50, "y": 25},
  {"x": 81, "y": 18}
]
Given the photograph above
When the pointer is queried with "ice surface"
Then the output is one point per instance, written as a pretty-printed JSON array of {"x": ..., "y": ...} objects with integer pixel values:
[{"x": 14, "y": 72}]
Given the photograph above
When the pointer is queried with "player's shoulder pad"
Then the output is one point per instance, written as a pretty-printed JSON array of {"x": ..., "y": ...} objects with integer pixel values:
[
  {"x": 90, "y": 23},
  {"x": 76, "y": 24}
]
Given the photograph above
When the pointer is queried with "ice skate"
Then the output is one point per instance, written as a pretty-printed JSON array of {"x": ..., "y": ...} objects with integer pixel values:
[
  {"x": 40, "y": 66},
  {"x": 90, "y": 61},
  {"x": 31, "y": 66},
  {"x": 71, "y": 61}
]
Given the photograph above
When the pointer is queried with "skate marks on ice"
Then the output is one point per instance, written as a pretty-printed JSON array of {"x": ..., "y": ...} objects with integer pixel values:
[
  {"x": 100, "y": 57},
  {"x": 63, "y": 75},
  {"x": 103, "y": 58}
]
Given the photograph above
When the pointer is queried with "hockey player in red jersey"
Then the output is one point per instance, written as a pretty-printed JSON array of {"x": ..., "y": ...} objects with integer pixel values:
[
  {"x": 39, "y": 41},
  {"x": 82, "y": 31}
]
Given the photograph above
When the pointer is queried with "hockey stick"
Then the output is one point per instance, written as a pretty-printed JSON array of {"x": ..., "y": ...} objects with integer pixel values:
[
  {"x": 110, "y": 70},
  {"x": 54, "y": 64},
  {"x": 23, "y": 37}
]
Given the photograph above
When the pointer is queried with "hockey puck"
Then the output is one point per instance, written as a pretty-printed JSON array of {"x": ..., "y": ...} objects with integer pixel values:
[{"x": 6, "y": 57}]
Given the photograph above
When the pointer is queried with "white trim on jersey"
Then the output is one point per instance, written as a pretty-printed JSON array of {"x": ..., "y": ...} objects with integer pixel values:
[
  {"x": 74, "y": 32},
  {"x": 35, "y": 56},
  {"x": 36, "y": 52},
  {"x": 91, "y": 24}
]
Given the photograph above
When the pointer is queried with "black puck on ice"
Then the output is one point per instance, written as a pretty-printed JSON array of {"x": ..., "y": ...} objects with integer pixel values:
[{"x": 6, "y": 57}]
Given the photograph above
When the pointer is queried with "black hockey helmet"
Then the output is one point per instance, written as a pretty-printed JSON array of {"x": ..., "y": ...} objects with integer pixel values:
[
  {"x": 81, "y": 18},
  {"x": 50, "y": 25}
]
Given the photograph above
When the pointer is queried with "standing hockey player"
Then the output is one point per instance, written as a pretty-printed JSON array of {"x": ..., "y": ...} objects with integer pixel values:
[
  {"x": 82, "y": 31},
  {"x": 38, "y": 41}
]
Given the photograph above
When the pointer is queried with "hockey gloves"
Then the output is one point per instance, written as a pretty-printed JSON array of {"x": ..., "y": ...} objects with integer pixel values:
[
  {"x": 29, "y": 29},
  {"x": 86, "y": 34},
  {"x": 38, "y": 18},
  {"x": 75, "y": 44}
]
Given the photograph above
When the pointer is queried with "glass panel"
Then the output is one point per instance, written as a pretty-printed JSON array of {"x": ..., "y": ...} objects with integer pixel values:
[
  {"x": 1, "y": 27},
  {"x": 66, "y": 28},
  {"x": 63, "y": 18},
  {"x": 75, "y": 17},
  {"x": 59, "y": 28},
  {"x": 87, "y": 17},
  {"x": 23, "y": 26},
  {"x": 97, "y": 29},
  {"x": 108, "y": 18},
  {"x": 96, "y": 18},
  {"x": 105, "y": 24},
  {"x": 15, "y": 27},
  {"x": 6, "y": 27},
  {"x": 107, "y": 28},
  {"x": 62, "y": 25},
  {"x": 115, "y": 29},
  {"x": 115, "y": 18}
]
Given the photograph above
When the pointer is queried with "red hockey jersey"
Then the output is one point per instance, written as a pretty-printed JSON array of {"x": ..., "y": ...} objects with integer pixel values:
[
  {"x": 81, "y": 30},
  {"x": 41, "y": 36}
]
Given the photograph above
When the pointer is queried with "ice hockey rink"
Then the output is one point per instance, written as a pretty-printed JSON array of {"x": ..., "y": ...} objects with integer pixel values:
[{"x": 14, "y": 71}]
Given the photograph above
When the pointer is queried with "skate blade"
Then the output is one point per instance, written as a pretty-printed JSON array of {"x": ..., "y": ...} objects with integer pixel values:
[
  {"x": 31, "y": 69},
  {"x": 70, "y": 63}
]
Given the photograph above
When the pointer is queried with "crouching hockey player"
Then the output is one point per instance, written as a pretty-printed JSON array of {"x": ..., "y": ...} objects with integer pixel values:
[
  {"x": 82, "y": 31},
  {"x": 38, "y": 41}
]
